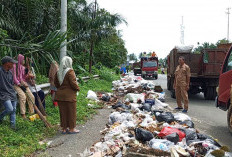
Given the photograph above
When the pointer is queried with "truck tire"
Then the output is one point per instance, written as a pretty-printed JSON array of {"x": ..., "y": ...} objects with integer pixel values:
[
  {"x": 156, "y": 77},
  {"x": 173, "y": 94},
  {"x": 135, "y": 73},
  {"x": 208, "y": 93},
  {"x": 214, "y": 93},
  {"x": 229, "y": 119}
]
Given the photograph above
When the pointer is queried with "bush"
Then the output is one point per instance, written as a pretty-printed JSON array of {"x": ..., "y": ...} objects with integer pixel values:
[{"x": 108, "y": 74}]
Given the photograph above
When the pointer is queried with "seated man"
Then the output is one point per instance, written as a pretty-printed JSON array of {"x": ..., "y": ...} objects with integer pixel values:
[{"x": 8, "y": 96}]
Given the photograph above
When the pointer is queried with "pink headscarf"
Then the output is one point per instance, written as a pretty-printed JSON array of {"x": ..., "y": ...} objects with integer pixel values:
[
  {"x": 21, "y": 68},
  {"x": 20, "y": 74}
]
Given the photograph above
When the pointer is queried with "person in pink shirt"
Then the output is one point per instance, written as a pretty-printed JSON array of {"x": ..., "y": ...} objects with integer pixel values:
[{"x": 21, "y": 87}]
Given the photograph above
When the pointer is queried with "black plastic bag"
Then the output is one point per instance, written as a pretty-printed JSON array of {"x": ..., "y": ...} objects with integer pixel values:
[
  {"x": 106, "y": 98},
  {"x": 166, "y": 117},
  {"x": 119, "y": 104},
  {"x": 146, "y": 107},
  {"x": 189, "y": 134},
  {"x": 143, "y": 135},
  {"x": 203, "y": 136},
  {"x": 174, "y": 137},
  {"x": 189, "y": 123}
]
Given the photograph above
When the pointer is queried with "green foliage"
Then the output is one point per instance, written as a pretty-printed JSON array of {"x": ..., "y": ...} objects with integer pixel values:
[
  {"x": 205, "y": 45},
  {"x": 132, "y": 57},
  {"x": 222, "y": 41},
  {"x": 32, "y": 27},
  {"x": 40, "y": 79},
  {"x": 108, "y": 74},
  {"x": 25, "y": 140}
]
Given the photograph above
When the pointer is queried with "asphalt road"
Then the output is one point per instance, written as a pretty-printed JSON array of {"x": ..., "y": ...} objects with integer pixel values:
[{"x": 207, "y": 118}]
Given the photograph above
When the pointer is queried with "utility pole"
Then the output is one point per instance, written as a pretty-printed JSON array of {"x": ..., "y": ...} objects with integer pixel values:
[
  {"x": 182, "y": 31},
  {"x": 63, "y": 49},
  {"x": 228, "y": 29}
]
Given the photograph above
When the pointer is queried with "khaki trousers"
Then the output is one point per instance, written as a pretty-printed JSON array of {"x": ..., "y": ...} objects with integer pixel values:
[
  {"x": 182, "y": 96},
  {"x": 23, "y": 98}
]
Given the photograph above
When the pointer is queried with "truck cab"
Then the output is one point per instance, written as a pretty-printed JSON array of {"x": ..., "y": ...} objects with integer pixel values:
[
  {"x": 223, "y": 100},
  {"x": 149, "y": 67}
]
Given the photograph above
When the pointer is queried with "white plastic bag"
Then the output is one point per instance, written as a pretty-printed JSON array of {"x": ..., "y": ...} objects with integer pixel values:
[
  {"x": 91, "y": 95},
  {"x": 181, "y": 117}
]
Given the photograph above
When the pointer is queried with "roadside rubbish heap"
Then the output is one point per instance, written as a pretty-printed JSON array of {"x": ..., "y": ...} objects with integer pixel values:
[{"x": 143, "y": 125}]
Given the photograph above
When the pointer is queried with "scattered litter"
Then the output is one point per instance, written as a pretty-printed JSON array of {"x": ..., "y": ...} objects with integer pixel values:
[
  {"x": 143, "y": 125},
  {"x": 91, "y": 95}
]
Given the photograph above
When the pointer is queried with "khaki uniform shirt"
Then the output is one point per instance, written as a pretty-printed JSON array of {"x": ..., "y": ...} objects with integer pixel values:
[
  {"x": 68, "y": 89},
  {"x": 181, "y": 74}
]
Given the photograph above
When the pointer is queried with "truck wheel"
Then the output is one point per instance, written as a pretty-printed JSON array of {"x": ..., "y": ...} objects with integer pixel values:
[
  {"x": 135, "y": 74},
  {"x": 173, "y": 94},
  {"x": 156, "y": 77},
  {"x": 208, "y": 93},
  {"x": 213, "y": 92},
  {"x": 229, "y": 119}
]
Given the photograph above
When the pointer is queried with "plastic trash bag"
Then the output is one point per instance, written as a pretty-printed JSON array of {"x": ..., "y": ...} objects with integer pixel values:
[
  {"x": 134, "y": 97},
  {"x": 190, "y": 134},
  {"x": 91, "y": 95},
  {"x": 188, "y": 123},
  {"x": 143, "y": 135},
  {"x": 150, "y": 101},
  {"x": 105, "y": 97},
  {"x": 119, "y": 104},
  {"x": 165, "y": 116},
  {"x": 203, "y": 136},
  {"x": 169, "y": 130},
  {"x": 146, "y": 107},
  {"x": 161, "y": 144},
  {"x": 181, "y": 117},
  {"x": 114, "y": 117},
  {"x": 158, "y": 102},
  {"x": 174, "y": 137}
]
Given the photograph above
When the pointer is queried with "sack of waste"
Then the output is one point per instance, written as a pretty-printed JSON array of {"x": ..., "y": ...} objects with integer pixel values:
[
  {"x": 146, "y": 107},
  {"x": 165, "y": 116},
  {"x": 169, "y": 130},
  {"x": 143, "y": 135},
  {"x": 91, "y": 95},
  {"x": 161, "y": 144}
]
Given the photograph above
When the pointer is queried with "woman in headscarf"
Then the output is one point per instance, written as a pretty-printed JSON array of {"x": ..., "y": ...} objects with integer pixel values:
[
  {"x": 52, "y": 73},
  {"x": 67, "y": 87},
  {"x": 21, "y": 87}
]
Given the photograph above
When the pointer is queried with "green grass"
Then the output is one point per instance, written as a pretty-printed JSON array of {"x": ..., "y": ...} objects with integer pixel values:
[{"x": 25, "y": 140}]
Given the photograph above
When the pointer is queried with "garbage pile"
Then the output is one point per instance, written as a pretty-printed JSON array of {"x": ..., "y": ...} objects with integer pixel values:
[{"x": 144, "y": 125}]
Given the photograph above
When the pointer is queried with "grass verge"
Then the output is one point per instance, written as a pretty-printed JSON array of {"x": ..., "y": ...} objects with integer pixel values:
[{"x": 25, "y": 140}]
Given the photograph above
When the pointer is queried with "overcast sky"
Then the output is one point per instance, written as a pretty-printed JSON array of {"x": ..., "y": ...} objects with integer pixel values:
[{"x": 154, "y": 25}]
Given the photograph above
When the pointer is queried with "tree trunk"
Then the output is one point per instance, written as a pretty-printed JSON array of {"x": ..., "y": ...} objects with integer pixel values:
[{"x": 90, "y": 57}]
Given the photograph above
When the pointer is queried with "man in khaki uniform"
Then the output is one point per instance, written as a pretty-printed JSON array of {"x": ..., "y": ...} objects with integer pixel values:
[{"x": 181, "y": 84}]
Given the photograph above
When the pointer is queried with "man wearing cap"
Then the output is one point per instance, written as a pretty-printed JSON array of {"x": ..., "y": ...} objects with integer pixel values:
[{"x": 8, "y": 96}]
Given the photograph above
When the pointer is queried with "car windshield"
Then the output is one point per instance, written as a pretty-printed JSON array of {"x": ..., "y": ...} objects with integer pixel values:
[{"x": 149, "y": 64}]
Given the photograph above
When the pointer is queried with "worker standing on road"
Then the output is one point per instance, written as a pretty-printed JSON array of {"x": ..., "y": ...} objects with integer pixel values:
[{"x": 181, "y": 84}]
